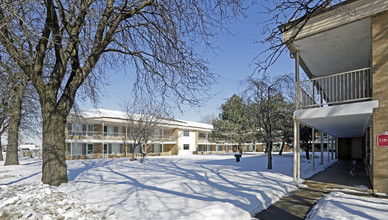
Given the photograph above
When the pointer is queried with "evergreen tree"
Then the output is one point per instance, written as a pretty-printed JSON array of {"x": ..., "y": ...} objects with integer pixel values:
[{"x": 233, "y": 123}]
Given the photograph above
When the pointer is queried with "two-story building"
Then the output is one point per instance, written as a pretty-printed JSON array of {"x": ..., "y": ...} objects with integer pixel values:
[
  {"x": 105, "y": 134},
  {"x": 343, "y": 51}
]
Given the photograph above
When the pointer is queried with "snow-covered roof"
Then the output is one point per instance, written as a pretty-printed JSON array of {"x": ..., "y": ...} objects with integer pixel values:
[{"x": 113, "y": 114}]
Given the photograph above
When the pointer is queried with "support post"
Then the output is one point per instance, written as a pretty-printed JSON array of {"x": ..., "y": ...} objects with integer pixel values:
[
  {"x": 313, "y": 146},
  {"x": 297, "y": 91},
  {"x": 322, "y": 148},
  {"x": 296, "y": 123},
  {"x": 332, "y": 147},
  {"x": 298, "y": 177},
  {"x": 71, "y": 150},
  {"x": 336, "y": 148},
  {"x": 103, "y": 138},
  {"x": 296, "y": 151},
  {"x": 327, "y": 148},
  {"x": 126, "y": 140}
]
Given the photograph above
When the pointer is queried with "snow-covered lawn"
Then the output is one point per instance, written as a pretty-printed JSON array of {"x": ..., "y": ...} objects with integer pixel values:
[
  {"x": 190, "y": 187},
  {"x": 338, "y": 205}
]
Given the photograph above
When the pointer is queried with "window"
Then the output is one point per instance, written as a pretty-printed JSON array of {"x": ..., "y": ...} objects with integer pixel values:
[
  {"x": 68, "y": 152},
  {"x": 90, "y": 130},
  {"x": 136, "y": 149},
  {"x": 105, "y": 148},
  {"x": 110, "y": 149},
  {"x": 115, "y": 131},
  {"x": 186, "y": 146},
  {"x": 186, "y": 133},
  {"x": 83, "y": 130},
  {"x": 156, "y": 148},
  {"x": 90, "y": 149},
  {"x": 83, "y": 149},
  {"x": 69, "y": 129},
  {"x": 157, "y": 134}
]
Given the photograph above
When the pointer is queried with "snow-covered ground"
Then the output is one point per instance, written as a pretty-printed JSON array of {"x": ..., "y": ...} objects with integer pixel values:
[
  {"x": 338, "y": 205},
  {"x": 174, "y": 187}
]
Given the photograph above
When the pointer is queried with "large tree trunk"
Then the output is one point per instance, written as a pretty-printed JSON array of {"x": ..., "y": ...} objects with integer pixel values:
[
  {"x": 54, "y": 148},
  {"x": 15, "y": 115},
  {"x": 269, "y": 151}
]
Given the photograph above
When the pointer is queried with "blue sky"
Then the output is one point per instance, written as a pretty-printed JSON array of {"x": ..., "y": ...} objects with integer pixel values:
[{"x": 232, "y": 61}]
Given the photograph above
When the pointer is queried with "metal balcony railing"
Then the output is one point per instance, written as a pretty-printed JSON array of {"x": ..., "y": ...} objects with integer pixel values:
[
  {"x": 352, "y": 86},
  {"x": 96, "y": 135}
]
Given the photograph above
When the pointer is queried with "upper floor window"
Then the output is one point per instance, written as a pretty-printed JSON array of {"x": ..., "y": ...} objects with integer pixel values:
[{"x": 186, "y": 133}]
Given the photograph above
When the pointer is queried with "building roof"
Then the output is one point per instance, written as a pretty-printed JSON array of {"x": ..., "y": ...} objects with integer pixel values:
[{"x": 113, "y": 115}]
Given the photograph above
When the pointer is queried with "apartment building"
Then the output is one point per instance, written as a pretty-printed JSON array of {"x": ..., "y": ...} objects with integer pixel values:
[
  {"x": 343, "y": 52},
  {"x": 106, "y": 134}
]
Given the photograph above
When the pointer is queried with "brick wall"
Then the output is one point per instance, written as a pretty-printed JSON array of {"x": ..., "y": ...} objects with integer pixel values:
[{"x": 380, "y": 93}]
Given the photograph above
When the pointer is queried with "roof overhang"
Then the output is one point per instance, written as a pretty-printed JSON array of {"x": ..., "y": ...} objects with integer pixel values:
[
  {"x": 337, "y": 40},
  {"x": 347, "y": 120}
]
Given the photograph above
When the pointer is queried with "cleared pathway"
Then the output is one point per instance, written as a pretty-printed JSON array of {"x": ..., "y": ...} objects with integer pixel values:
[{"x": 344, "y": 174}]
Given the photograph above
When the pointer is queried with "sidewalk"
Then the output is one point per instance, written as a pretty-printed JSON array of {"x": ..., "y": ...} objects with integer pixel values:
[{"x": 344, "y": 174}]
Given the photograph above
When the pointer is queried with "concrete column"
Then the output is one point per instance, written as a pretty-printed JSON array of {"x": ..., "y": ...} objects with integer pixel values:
[
  {"x": 332, "y": 147},
  {"x": 296, "y": 148},
  {"x": 336, "y": 148},
  {"x": 322, "y": 148},
  {"x": 297, "y": 92},
  {"x": 298, "y": 154},
  {"x": 313, "y": 146},
  {"x": 103, "y": 138},
  {"x": 327, "y": 147}
]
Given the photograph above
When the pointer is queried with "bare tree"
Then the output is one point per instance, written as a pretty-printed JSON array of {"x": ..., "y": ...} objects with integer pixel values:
[
  {"x": 17, "y": 84},
  {"x": 284, "y": 16},
  {"x": 142, "y": 120},
  {"x": 60, "y": 45},
  {"x": 4, "y": 119},
  {"x": 208, "y": 118},
  {"x": 268, "y": 107}
]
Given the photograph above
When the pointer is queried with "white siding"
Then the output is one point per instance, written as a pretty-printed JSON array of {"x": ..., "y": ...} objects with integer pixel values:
[{"x": 182, "y": 140}]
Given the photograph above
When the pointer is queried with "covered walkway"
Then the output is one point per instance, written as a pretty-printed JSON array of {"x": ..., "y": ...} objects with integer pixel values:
[{"x": 344, "y": 174}]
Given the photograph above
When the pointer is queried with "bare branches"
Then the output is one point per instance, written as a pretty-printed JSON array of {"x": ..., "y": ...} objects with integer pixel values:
[
  {"x": 143, "y": 117},
  {"x": 285, "y": 16}
]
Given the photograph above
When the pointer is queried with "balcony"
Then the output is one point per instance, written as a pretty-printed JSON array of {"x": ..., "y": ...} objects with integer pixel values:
[
  {"x": 347, "y": 87},
  {"x": 96, "y": 135}
]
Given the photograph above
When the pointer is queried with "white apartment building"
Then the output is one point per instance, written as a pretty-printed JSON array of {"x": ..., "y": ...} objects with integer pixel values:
[{"x": 105, "y": 134}]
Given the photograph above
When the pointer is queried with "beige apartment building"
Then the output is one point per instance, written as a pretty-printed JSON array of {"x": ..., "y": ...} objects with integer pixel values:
[
  {"x": 343, "y": 52},
  {"x": 106, "y": 134}
]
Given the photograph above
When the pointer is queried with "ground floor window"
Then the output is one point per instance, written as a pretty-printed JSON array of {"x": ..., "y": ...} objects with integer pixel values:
[
  {"x": 186, "y": 147},
  {"x": 79, "y": 149},
  {"x": 136, "y": 149},
  {"x": 219, "y": 148},
  {"x": 157, "y": 148},
  {"x": 90, "y": 149},
  {"x": 114, "y": 149}
]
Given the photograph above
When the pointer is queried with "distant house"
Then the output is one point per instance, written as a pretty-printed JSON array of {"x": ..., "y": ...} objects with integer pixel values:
[
  {"x": 104, "y": 133},
  {"x": 344, "y": 53},
  {"x": 28, "y": 146}
]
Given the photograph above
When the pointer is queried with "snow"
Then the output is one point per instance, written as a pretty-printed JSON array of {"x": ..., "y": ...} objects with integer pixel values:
[
  {"x": 113, "y": 114},
  {"x": 171, "y": 187},
  {"x": 338, "y": 205}
]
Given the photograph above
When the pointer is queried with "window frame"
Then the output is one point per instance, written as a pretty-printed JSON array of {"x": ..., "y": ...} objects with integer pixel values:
[
  {"x": 186, "y": 133},
  {"x": 88, "y": 151}
]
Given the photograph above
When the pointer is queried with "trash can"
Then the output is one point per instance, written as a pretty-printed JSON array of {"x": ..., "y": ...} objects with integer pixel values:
[{"x": 237, "y": 156}]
